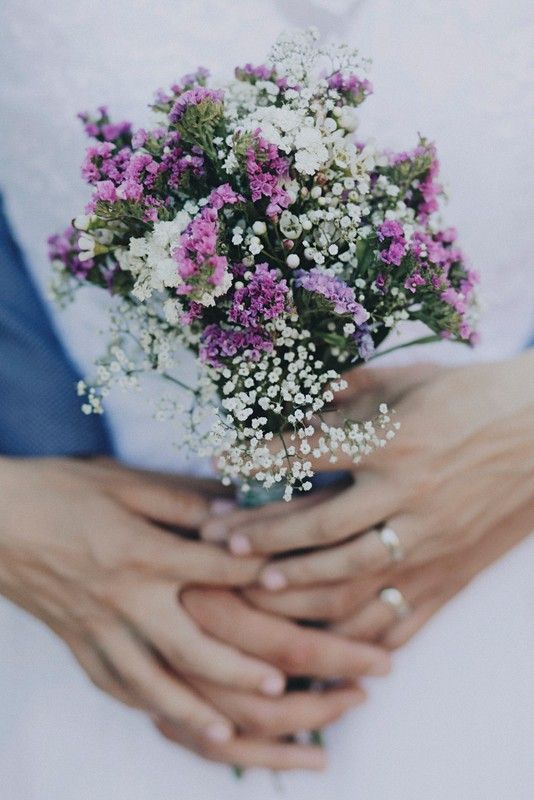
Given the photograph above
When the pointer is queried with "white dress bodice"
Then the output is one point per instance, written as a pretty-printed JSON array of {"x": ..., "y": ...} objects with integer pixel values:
[{"x": 453, "y": 720}]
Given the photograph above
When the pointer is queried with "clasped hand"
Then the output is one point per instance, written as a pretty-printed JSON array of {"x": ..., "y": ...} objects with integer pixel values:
[{"x": 83, "y": 548}]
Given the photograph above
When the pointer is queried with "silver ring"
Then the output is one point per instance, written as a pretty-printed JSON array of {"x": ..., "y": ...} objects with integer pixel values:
[
  {"x": 391, "y": 542},
  {"x": 395, "y": 599}
]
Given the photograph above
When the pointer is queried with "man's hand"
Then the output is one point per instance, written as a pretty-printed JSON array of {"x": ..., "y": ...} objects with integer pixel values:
[
  {"x": 264, "y": 723},
  {"x": 79, "y": 549}
]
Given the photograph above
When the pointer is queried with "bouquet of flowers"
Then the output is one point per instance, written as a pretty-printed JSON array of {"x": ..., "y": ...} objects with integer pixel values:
[{"x": 252, "y": 227}]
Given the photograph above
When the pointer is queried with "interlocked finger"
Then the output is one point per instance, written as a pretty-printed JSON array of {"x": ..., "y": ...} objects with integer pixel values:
[
  {"x": 248, "y": 752},
  {"x": 282, "y": 716},
  {"x": 364, "y": 554},
  {"x": 190, "y": 651}
]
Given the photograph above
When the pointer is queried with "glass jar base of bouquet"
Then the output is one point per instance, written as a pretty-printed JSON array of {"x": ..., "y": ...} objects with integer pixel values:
[{"x": 257, "y": 495}]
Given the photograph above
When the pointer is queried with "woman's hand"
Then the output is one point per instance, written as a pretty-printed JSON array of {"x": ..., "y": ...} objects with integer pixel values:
[
  {"x": 354, "y": 607},
  {"x": 79, "y": 549},
  {"x": 264, "y": 723},
  {"x": 462, "y": 462}
]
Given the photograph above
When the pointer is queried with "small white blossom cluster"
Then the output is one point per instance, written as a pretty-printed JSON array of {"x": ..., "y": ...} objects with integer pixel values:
[
  {"x": 248, "y": 450},
  {"x": 149, "y": 258}
]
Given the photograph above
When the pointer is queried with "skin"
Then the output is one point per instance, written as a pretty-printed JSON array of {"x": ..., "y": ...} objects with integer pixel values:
[
  {"x": 352, "y": 608},
  {"x": 82, "y": 548},
  {"x": 456, "y": 484}
]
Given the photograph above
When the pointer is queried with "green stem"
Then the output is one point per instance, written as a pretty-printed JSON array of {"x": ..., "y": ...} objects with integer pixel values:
[
  {"x": 421, "y": 340},
  {"x": 179, "y": 383},
  {"x": 317, "y": 738}
]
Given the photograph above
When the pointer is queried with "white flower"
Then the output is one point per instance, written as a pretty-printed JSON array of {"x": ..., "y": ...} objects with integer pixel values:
[{"x": 259, "y": 227}]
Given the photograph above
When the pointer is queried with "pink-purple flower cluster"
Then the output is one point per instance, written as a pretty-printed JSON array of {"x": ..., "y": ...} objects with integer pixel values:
[
  {"x": 221, "y": 343},
  {"x": 134, "y": 175},
  {"x": 102, "y": 129},
  {"x": 352, "y": 87},
  {"x": 266, "y": 171},
  {"x": 63, "y": 247},
  {"x": 364, "y": 342},
  {"x": 425, "y": 198},
  {"x": 199, "y": 264},
  {"x": 263, "y": 298},
  {"x": 197, "y": 96},
  {"x": 333, "y": 289},
  {"x": 392, "y": 233},
  {"x": 261, "y": 72}
]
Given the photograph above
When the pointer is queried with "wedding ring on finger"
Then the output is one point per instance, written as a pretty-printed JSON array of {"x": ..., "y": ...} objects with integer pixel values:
[
  {"x": 396, "y": 601},
  {"x": 391, "y": 542}
]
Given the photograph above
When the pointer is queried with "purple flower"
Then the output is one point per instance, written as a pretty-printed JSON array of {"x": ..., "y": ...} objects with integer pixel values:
[
  {"x": 413, "y": 282},
  {"x": 104, "y": 130},
  {"x": 430, "y": 190},
  {"x": 224, "y": 195},
  {"x": 64, "y": 247},
  {"x": 394, "y": 254},
  {"x": 380, "y": 282},
  {"x": 396, "y": 250},
  {"x": 333, "y": 289},
  {"x": 199, "y": 265},
  {"x": 390, "y": 229},
  {"x": 354, "y": 88},
  {"x": 218, "y": 343},
  {"x": 190, "y": 80},
  {"x": 261, "y": 299},
  {"x": 266, "y": 171},
  {"x": 364, "y": 342},
  {"x": 261, "y": 72},
  {"x": 455, "y": 299},
  {"x": 105, "y": 191},
  {"x": 194, "y": 97}
]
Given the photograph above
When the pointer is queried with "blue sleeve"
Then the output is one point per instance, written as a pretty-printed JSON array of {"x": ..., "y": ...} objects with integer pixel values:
[{"x": 39, "y": 410}]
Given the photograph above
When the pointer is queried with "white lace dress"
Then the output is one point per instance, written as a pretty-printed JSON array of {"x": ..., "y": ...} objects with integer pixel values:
[{"x": 455, "y": 720}]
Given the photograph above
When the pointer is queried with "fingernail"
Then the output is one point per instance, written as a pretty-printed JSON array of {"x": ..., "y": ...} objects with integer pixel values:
[
  {"x": 273, "y": 579},
  {"x": 240, "y": 544},
  {"x": 274, "y": 685},
  {"x": 379, "y": 668},
  {"x": 218, "y": 732},
  {"x": 220, "y": 507},
  {"x": 214, "y": 532}
]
